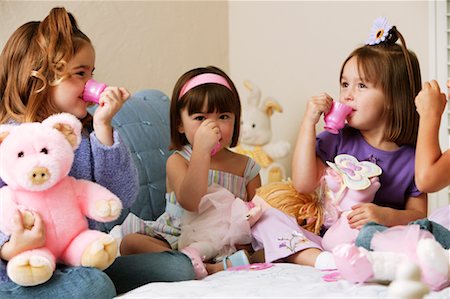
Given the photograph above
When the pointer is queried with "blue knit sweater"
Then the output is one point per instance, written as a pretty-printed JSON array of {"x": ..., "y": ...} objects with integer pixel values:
[{"x": 109, "y": 166}]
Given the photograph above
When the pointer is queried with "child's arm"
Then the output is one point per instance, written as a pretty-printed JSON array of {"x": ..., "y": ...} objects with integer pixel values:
[
  {"x": 109, "y": 161},
  {"x": 254, "y": 184},
  {"x": 416, "y": 208},
  {"x": 110, "y": 102},
  {"x": 307, "y": 168},
  {"x": 431, "y": 168},
  {"x": 189, "y": 179},
  {"x": 23, "y": 239}
]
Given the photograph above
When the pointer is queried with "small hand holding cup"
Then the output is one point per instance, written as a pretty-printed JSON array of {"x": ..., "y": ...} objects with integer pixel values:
[
  {"x": 93, "y": 90},
  {"x": 335, "y": 119}
]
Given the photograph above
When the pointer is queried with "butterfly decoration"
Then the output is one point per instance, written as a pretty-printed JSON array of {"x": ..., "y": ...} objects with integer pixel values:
[{"x": 355, "y": 174}]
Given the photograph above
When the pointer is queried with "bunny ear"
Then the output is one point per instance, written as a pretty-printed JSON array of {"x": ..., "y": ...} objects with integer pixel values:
[
  {"x": 255, "y": 94},
  {"x": 271, "y": 105},
  {"x": 68, "y": 125}
]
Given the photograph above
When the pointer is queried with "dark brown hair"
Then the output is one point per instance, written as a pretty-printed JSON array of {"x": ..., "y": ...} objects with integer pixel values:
[
  {"x": 220, "y": 99},
  {"x": 396, "y": 70},
  {"x": 33, "y": 60}
]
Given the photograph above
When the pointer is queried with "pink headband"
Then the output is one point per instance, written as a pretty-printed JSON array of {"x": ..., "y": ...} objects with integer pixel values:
[{"x": 203, "y": 79}]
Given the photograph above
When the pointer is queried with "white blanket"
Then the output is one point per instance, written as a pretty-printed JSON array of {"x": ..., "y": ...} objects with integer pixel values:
[{"x": 279, "y": 281}]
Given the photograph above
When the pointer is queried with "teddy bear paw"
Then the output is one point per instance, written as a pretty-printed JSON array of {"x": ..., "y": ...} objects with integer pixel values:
[
  {"x": 108, "y": 208},
  {"x": 29, "y": 270},
  {"x": 101, "y": 253}
]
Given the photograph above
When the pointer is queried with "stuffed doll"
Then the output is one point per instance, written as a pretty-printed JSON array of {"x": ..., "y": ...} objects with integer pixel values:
[
  {"x": 256, "y": 135},
  {"x": 307, "y": 209},
  {"x": 402, "y": 244},
  {"x": 221, "y": 222},
  {"x": 345, "y": 183},
  {"x": 348, "y": 182},
  {"x": 35, "y": 160}
]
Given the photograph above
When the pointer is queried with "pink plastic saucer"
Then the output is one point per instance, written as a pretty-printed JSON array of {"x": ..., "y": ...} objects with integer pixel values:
[{"x": 251, "y": 267}]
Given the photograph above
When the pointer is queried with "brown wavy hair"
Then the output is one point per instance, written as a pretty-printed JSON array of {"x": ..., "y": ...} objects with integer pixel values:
[
  {"x": 34, "y": 60},
  {"x": 396, "y": 70},
  {"x": 220, "y": 99}
]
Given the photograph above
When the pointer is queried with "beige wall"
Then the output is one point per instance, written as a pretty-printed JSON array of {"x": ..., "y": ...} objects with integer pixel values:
[
  {"x": 294, "y": 49},
  {"x": 290, "y": 49},
  {"x": 142, "y": 44}
]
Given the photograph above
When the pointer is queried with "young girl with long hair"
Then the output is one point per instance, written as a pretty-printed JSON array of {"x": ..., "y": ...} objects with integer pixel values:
[
  {"x": 379, "y": 81},
  {"x": 44, "y": 67}
]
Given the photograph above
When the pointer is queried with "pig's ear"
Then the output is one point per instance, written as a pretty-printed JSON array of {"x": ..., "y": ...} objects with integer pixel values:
[
  {"x": 68, "y": 125},
  {"x": 4, "y": 132}
]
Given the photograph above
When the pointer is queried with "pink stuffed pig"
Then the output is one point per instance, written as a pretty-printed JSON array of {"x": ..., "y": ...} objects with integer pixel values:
[{"x": 35, "y": 160}]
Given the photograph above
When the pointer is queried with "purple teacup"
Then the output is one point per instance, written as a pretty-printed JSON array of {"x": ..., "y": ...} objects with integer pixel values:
[
  {"x": 92, "y": 90},
  {"x": 335, "y": 119}
]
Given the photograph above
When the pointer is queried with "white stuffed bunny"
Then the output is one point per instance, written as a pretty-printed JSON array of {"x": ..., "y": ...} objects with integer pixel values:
[{"x": 256, "y": 135}]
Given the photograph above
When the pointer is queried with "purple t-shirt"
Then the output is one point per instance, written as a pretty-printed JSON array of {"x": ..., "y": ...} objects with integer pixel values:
[{"x": 397, "y": 179}]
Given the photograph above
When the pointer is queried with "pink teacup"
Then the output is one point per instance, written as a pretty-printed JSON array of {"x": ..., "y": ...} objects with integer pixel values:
[
  {"x": 92, "y": 90},
  {"x": 215, "y": 149},
  {"x": 335, "y": 119}
]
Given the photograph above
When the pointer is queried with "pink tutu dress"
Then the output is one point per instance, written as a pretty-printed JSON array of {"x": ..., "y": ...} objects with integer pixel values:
[
  {"x": 219, "y": 224},
  {"x": 227, "y": 190},
  {"x": 442, "y": 216}
]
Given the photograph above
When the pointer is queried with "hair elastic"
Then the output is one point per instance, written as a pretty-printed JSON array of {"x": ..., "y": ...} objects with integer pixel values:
[{"x": 203, "y": 79}]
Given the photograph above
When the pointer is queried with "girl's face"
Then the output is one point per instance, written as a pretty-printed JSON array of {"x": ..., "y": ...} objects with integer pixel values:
[
  {"x": 68, "y": 95},
  {"x": 190, "y": 124},
  {"x": 366, "y": 100}
]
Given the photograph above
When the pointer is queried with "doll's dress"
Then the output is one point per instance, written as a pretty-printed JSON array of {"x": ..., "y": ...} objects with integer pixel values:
[
  {"x": 168, "y": 225},
  {"x": 404, "y": 240},
  {"x": 442, "y": 216},
  {"x": 400, "y": 239},
  {"x": 218, "y": 226}
]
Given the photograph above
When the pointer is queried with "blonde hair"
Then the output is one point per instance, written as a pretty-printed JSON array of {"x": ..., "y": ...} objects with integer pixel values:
[
  {"x": 306, "y": 208},
  {"x": 33, "y": 60}
]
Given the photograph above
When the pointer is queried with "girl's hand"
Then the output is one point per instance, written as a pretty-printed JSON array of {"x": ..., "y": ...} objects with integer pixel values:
[
  {"x": 363, "y": 213},
  {"x": 207, "y": 136},
  {"x": 430, "y": 102},
  {"x": 110, "y": 102},
  {"x": 448, "y": 86},
  {"x": 23, "y": 239},
  {"x": 316, "y": 106}
]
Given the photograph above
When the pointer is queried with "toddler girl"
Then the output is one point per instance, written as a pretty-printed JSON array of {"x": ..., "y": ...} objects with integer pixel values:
[{"x": 205, "y": 120}]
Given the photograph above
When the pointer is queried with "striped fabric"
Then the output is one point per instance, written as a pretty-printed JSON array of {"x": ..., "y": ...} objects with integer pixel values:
[{"x": 169, "y": 223}]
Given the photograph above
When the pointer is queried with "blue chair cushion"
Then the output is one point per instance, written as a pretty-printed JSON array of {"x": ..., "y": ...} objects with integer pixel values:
[{"x": 143, "y": 124}]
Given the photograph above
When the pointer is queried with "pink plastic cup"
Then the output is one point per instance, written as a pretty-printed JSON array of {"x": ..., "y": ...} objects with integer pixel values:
[
  {"x": 335, "y": 119},
  {"x": 215, "y": 149},
  {"x": 92, "y": 91}
]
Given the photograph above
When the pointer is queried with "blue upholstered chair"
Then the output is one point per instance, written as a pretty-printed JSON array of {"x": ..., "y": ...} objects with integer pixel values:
[{"x": 143, "y": 124}]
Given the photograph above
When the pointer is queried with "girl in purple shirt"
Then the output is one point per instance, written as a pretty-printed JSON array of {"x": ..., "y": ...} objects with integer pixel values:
[{"x": 379, "y": 81}]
